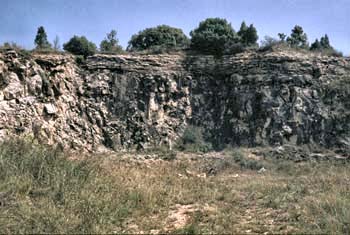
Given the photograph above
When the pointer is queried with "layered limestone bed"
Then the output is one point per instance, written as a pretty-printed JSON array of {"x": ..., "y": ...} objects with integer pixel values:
[{"x": 138, "y": 101}]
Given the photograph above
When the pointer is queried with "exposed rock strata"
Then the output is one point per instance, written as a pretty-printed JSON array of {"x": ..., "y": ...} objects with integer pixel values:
[{"x": 129, "y": 101}]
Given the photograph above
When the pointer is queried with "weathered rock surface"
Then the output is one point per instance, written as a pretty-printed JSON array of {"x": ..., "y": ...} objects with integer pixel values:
[{"x": 128, "y": 101}]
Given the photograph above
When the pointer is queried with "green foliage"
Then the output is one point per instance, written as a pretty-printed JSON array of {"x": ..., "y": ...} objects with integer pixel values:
[
  {"x": 325, "y": 42},
  {"x": 42, "y": 191},
  {"x": 212, "y": 35},
  {"x": 234, "y": 48},
  {"x": 41, "y": 41},
  {"x": 80, "y": 46},
  {"x": 244, "y": 162},
  {"x": 248, "y": 35},
  {"x": 192, "y": 140},
  {"x": 79, "y": 59},
  {"x": 282, "y": 37},
  {"x": 324, "y": 46},
  {"x": 110, "y": 43},
  {"x": 316, "y": 46},
  {"x": 298, "y": 38},
  {"x": 160, "y": 36}
]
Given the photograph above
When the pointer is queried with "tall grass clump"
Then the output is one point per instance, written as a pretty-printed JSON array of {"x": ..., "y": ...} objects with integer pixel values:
[{"x": 42, "y": 191}]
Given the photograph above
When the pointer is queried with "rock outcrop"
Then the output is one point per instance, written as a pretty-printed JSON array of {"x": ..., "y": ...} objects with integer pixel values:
[{"x": 129, "y": 101}]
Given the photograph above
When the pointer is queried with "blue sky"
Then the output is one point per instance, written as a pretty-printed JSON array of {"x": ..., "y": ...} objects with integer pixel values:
[{"x": 19, "y": 19}]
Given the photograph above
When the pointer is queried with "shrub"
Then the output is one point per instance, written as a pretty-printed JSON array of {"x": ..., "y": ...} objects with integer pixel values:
[
  {"x": 234, "y": 47},
  {"x": 161, "y": 36},
  {"x": 80, "y": 46},
  {"x": 270, "y": 43},
  {"x": 79, "y": 59},
  {"x": 192, "y": 140},
  {"x": 212, "y": 35},
  {"x": 245, "y": 163},
  {"x": 14, "y": 46}
]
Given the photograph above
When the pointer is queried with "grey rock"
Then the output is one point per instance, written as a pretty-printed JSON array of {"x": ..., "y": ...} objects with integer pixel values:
[{"x": 138, "y": 101}]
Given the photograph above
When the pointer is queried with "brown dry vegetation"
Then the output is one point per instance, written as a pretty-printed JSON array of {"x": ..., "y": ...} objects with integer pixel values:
[{"x": 42, "y": 191}]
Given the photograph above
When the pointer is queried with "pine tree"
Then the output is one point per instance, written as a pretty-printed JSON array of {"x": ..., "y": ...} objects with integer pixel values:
[
  {"x": 251, "y": 35},
  {"x": 248, "y": 35},
  {"x": 41, "y": 41},
  {"x": 242, "y": 29},
  {"x": 298, "y": 38},
  {"x": 316, "y": 46},
  {"x": 324, "y": 41}
]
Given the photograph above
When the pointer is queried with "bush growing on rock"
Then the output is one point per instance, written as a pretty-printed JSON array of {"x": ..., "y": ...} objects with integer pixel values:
[
  {"x": 192, "y": 140},
  {"x": 212, "y": 35},
  {"x": 271, "y": 43},
  {"x": 80, "y": 46},
  {"x": 162, "y": 36}
]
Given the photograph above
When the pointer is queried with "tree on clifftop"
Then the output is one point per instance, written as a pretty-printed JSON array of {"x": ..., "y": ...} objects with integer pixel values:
[
  {"x": 161, "y": 36},
  {"x": 316, "y": 46},
  {"x": 212, "y": 35},
  {"x": 248, "y": 35},
  {"x": 298, "y": 38},
  {"x": 80, "y": 46},
  {"x": 110, "y": 43},
  {"x": 325, "y": 44},
  {"x": 41, "y": 41}
]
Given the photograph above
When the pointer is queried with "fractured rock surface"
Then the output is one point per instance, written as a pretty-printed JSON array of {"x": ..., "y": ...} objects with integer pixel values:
[{"x": 128, "y": 101}]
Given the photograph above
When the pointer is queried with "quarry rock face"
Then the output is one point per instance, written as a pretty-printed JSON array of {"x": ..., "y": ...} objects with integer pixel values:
[{"x": 116, "y": 102}]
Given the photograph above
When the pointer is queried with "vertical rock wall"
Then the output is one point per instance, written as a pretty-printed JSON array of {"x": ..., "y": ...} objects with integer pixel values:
[{"x": 130, "y": 101}]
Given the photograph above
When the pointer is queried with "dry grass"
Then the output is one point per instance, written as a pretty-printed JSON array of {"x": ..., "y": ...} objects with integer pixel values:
[{"x": 119, "y": 194}]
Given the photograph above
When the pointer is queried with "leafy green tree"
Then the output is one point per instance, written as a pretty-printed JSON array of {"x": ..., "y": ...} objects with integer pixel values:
[
  {"x": 41, "y": 41},
  {"x": 298, "y": 38},
  {"x": 160, "y": 36},
  {"x": 110, "y": 43},
  {"x": 80, "y": 46},
  {"x": 316, "y": 46},
  {"x": 212, "y": 35}
]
